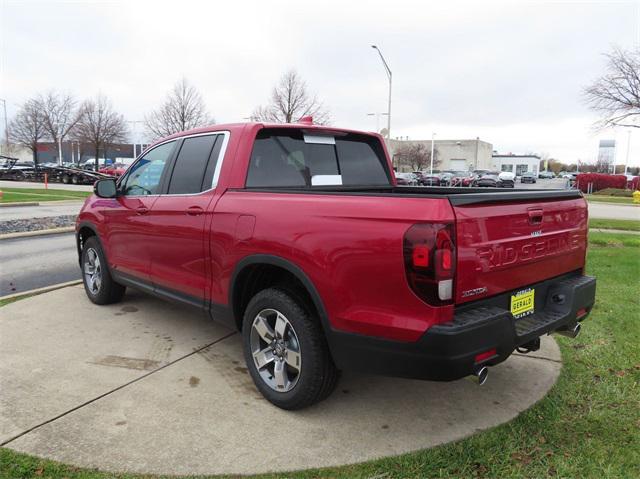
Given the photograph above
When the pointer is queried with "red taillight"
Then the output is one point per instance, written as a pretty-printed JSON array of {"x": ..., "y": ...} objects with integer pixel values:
[
  {"x": 486, "y": 355},
  {"x": 429, "y": 254},
  {"x": 582, "y": 312},
  {"x": 421, "y": 256}
]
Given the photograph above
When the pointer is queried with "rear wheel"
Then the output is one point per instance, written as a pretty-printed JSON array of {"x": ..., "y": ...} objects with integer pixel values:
[
  {"x": 98, "y": 283},
  {"x": 286, "y": 352}
]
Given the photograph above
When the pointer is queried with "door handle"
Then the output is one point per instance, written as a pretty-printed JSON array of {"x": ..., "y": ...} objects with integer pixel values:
[
  {"x": 194, "y": 211},
  {"x": 142, "y": 210}
]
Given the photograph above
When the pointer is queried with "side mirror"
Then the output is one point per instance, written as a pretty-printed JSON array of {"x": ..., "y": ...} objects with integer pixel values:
[{"x": 105, "y": 188}]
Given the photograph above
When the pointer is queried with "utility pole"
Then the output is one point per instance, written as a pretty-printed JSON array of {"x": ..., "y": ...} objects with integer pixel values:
[{"x": 388, "y": 70}]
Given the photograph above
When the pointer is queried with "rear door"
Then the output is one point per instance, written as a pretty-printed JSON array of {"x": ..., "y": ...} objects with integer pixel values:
[
  {"x": 179, "y": 259},
  {"x": 504, "y": 246}
]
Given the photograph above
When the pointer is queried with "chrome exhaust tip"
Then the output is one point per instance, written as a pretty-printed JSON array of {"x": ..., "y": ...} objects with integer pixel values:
[
  {"x": 570, "y": 331},
  {"x": 481, "y": 375}
]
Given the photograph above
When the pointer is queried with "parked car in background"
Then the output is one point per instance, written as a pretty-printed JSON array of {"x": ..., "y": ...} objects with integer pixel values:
[
  {"x": 507, "y": 179},
  {"x": 358, "y": 275},
  {"x": 492, "y": 180},
  {"x": 431, "y": 179},
  {"x": 445, "y": 178},
  {"x": 409, "y": 178},
  {"x": 116, "y": 169},
  {"x": 528, "y": 177},
  {"x": 546, "y": 175}
]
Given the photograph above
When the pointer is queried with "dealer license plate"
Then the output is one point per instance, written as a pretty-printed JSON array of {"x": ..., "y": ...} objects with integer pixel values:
[{"x": 522, "y": 303}]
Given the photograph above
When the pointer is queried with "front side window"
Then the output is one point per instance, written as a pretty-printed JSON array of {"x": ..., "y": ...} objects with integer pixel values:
[
  {"x": 145, "y": 175},
  {"x": 288, "y": 158}
]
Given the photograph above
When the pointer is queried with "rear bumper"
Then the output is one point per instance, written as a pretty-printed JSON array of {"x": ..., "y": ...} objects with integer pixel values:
[{"x": 447, "y": 351}]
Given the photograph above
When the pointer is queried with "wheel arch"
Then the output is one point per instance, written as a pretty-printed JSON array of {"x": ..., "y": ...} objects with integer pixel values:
[
  {"x": 241, "y": 287},
  {"x": 85, "y": 231}
]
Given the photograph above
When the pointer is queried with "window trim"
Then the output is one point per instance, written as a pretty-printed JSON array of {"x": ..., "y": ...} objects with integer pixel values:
[{"x": 164, "y": 181}]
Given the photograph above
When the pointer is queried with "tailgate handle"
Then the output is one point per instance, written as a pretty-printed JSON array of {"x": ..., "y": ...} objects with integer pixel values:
[{"x": 535, "y": 217}]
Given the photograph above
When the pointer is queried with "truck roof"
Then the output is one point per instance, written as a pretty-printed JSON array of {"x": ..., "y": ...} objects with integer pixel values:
[{"x": 237, "y": 127}]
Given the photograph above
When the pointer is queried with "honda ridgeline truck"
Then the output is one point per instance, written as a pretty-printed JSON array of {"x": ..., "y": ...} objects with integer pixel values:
[{"x": 298, "y": 236}]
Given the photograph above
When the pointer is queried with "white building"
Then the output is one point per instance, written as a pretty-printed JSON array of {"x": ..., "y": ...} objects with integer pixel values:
[
  {"x": 517, "y": 164},
  {"x": 459, "y": 155}
]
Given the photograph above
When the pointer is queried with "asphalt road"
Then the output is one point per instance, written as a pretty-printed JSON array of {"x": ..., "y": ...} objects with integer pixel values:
[
  {"x": 44, "y": 210},
  {"x": 34, "y": 262}
]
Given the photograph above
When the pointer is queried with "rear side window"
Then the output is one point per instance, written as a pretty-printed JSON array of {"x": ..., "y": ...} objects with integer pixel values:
[
  {"x": 192, "y": 165},
  {"x": 282, "y": 158}
]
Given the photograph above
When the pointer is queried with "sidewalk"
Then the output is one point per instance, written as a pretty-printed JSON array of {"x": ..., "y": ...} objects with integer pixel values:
[{"x": 147, "y": 386}]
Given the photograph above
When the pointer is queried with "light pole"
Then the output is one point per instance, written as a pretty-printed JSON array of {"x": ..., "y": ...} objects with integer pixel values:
[
  {"x": 386, "y": 67},
  {"x": 433, "y": 136}
]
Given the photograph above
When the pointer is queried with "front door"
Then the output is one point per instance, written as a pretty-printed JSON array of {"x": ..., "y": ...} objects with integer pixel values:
[
  {"x": 129, "y": 227},
  {"x": 179, "y": 256}
]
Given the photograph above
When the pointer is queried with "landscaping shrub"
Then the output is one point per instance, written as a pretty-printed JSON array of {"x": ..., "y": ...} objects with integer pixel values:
[
  {"x": 600, "y": 181},
  {"x": 616, "y": 192}
]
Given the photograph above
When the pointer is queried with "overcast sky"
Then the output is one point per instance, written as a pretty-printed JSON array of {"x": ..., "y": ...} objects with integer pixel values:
[{"x": 509, "y": 72}]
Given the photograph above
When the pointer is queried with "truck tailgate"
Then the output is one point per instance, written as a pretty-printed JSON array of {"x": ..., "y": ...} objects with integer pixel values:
[{"x": 507, "y": 245}]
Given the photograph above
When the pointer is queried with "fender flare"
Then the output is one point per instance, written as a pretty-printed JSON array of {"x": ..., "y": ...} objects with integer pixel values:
[{"x": 292, "y": 268}]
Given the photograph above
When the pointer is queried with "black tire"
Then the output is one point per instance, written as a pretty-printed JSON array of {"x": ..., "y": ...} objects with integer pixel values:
[
  {"x": 108, "y": 291},
  {"x": 318, "y": 374},
  {"x": 75, "y": 180},
  {"x": 65, "y": 179}
]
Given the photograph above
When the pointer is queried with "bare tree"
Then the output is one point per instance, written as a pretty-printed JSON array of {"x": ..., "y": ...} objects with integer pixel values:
[
  {"x": 616, "y": 94},
  {"x": 290, "y": 101},
  {"x": 60, "y": 116},
  {"x": 28, "y": 127},
  {"x": 100, "y": 126},
  {"x": 416, "y": 155},
  {"x": 183, "y": 109}
]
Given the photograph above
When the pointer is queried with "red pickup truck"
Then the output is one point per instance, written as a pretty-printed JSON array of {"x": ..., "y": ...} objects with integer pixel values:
[{"x": 298, "y": 236}]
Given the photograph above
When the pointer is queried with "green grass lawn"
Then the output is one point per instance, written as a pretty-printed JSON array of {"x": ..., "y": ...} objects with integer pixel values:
[
  {"x": 610, "y": 199},
  {"x": 21, "y": 195},
  {"x": 587, "y": 427},
  {"x": 628, "y": 225}
]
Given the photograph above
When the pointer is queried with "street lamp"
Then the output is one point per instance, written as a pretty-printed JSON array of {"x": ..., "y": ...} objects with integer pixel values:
[{"x": 386, "y": 67}]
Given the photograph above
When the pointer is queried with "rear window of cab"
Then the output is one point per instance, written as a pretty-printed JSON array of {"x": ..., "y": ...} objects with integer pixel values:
[{"x": 286, "y": 157}]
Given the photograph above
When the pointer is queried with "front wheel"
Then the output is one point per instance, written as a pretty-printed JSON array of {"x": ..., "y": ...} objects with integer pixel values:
[
  {"x": 98, "y": 283},
  {"x": 286, "y": 351}
]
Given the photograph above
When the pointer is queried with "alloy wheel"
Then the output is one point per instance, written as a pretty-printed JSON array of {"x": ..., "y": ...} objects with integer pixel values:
[{"x": 275, "y": 349}]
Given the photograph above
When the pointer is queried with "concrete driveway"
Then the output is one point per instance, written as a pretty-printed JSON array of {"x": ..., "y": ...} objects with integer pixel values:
[{"x": 148, "y": 386}]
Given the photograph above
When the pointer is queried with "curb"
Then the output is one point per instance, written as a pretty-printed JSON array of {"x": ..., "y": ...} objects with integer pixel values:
[
  {"x": 23, "y": 203},
  {"x": 27, "y": 234},
  {"x": 44, "y": 289}
]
